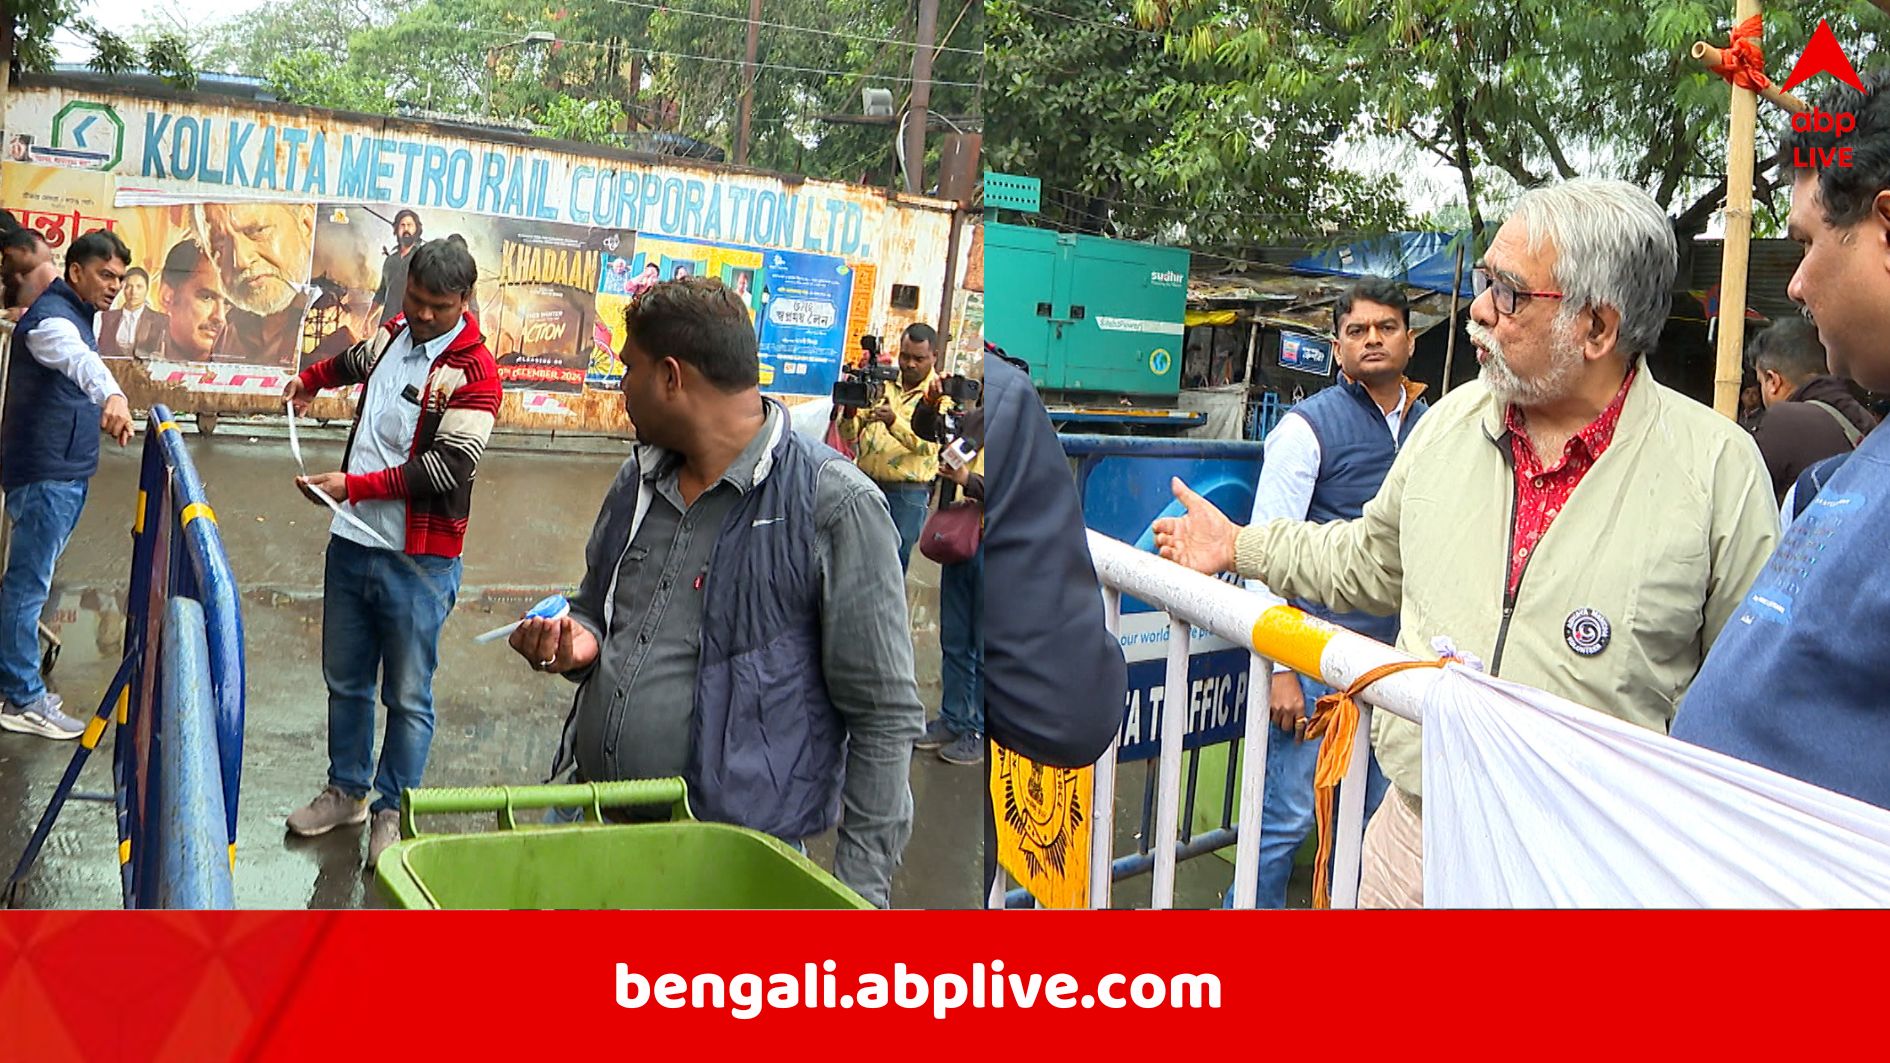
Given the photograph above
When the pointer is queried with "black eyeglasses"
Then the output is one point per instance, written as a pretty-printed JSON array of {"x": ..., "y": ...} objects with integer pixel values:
[{"x": 1501, "y": 292}]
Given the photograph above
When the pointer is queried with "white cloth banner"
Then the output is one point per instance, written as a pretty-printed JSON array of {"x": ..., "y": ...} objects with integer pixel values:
[{"x": 1531, "y": 801}]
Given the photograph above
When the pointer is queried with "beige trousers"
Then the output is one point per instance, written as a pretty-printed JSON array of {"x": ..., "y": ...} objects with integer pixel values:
[{"x": 1392, "y": 871}]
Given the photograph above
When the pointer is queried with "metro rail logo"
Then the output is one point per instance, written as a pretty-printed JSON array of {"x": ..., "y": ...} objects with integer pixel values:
[{"x": 1823, "y": 55}]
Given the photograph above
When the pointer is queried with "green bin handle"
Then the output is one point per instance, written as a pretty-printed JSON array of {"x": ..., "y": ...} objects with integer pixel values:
[{"x": 593, "y": 798}]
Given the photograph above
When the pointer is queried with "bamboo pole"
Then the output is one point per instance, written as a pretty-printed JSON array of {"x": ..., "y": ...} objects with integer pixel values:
[
  {"x": 1728, "y": 366},
  {"x": 1450, "y": 341},
  {"x": 1710, "y": 56}
]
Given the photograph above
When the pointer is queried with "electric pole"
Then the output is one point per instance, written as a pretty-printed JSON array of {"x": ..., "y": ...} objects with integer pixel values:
[
  {"x": 919, "y": 115},
  {"x": 748, "y": 85}
]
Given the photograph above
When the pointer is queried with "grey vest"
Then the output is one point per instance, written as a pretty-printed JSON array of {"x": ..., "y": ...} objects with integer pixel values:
[{"x": 767, "y": 747}]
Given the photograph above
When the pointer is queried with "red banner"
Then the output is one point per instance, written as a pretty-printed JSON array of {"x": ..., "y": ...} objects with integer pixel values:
[{"x": 392, "y": 986}]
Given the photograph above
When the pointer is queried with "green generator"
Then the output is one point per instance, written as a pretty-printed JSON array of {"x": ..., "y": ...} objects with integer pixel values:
[{"x": 1095, "y": 318}]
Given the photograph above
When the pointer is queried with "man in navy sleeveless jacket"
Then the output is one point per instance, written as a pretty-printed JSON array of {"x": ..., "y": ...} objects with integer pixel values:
[
  {"x": 58, "y": 400},
  {"x": 1324, "y": 461},
  {"x": 1799, "y": 681},
  {"x": 742, "y": 620}
]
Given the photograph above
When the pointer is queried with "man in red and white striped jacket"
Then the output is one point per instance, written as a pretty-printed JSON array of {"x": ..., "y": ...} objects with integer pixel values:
[{"x": 393, "y": 568}]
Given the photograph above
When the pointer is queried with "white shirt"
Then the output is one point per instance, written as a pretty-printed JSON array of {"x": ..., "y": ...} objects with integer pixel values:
[
  {"x": 56, "y": 344},
  {"x": 1290, "y": 472},
  {"x": 128, "y": 327},
  {"x": 384, "y": 438}
]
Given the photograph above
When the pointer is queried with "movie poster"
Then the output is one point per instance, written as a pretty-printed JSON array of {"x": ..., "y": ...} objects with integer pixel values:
[
  {"x": 606, "y": 340},
  {"x": 548, "y": 280},
  {"x": 534, "y": 300},
  {"x": 208, "y": 283},
  {"x": 627, "y": 273},
  {"x": 805, "y": 300}
]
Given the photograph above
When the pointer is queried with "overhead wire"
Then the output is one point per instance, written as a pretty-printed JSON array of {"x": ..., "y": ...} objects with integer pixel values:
[
  {"x": 670, "y": 9},
  {"x": 759, "y": 66}
]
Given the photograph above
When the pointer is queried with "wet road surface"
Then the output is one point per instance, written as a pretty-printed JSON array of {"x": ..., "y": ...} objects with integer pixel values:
[{"x": 497, "y": 721}]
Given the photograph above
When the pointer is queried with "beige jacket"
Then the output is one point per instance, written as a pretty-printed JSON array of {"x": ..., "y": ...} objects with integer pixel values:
[{"x": 1662, "y": 537}]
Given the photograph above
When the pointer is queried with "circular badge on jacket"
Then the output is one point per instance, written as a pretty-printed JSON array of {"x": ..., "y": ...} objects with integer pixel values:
[{"x": 1586, "y": 632}]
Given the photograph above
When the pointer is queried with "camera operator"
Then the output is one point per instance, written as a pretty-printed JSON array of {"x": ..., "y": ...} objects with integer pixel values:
[
  {"x": 884, "y": 446},
  {"x": 958, "y": 733}
]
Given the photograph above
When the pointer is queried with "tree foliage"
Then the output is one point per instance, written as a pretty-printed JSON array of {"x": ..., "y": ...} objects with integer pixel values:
[
  {"x": 33, "y": 23},
  {"x": 1132, "y": 139},
  {"x": 614, "y": 63},
  {"x": 1512, "y": 93}
]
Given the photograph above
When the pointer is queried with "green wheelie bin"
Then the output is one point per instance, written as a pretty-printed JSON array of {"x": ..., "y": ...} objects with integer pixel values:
[{"x": 680, "y": 863}]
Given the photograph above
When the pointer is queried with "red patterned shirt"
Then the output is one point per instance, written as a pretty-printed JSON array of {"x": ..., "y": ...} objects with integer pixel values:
[{"x": 1541, "y": 493}]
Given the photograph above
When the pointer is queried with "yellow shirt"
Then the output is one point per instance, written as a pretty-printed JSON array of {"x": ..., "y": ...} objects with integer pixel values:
[{"x": 893, "y": 455}]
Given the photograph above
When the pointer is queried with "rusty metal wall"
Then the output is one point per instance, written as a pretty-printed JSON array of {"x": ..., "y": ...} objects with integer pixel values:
[{"x": 166, "y": 147}]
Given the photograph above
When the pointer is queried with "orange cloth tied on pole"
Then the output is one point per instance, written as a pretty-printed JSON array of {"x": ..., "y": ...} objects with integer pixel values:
[
  {"x": 1335, "y": 722},
  {"x": 1742, "y": 62}
]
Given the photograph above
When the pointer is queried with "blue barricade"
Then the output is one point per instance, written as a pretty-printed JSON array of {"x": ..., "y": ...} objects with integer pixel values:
[
  {"x": 1123, "y": 482},
  {"x": 178, "y": 696},
  {"x": 188, "y": 832}
]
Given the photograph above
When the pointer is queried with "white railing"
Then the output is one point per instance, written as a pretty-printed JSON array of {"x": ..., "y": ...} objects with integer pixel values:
[{"x": 1271, "y": 632}]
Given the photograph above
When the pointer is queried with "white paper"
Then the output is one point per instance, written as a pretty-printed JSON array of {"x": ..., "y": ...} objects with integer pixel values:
[
  {"x": 295, "y": 441},
  {"x": 295, "y": 447}
]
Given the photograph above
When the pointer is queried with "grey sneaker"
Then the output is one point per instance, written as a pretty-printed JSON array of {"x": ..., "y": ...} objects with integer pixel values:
[
  {"x": 965, "y": 749},
  {"x": 330, "y": 809},
  {"x": 936, "y": 736},
  {"x": 384, "y": 833},
  {"x": 43, "y": 716}
]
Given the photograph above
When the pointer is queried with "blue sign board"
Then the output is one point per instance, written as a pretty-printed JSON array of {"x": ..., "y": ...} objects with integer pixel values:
[
  {"x": 1307, "y": 354},
  {"x": 804, "y": 302},
  {"x": 1124, "y": 485}
]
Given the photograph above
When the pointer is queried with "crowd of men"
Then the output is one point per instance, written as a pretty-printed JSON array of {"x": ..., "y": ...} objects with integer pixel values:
[
  {"x": 1577, "y": 526},
  {"x": 742, "y": 621},
  {"x": 1566, "y": 521}
]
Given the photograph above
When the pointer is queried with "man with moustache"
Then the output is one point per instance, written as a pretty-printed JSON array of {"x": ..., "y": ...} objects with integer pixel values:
[
  {"x": 1324, "y": 461},
  {"x": 133, "y": 328},
  {"x": 262, "y": 255},
  {"x": 60, "y": 396},
  {"x": 195, "y": 307},
  {"x": 1568, "y": 520}
]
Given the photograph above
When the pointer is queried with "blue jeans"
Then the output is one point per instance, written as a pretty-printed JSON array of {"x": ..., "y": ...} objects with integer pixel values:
[
  {"x": 1287, "y": 812},
  {"x": 909, "y": 504},
  {"x": 961, "y": 645},
  {"x": 381, "y": 615},
  {"x": 43, "y": 514}
]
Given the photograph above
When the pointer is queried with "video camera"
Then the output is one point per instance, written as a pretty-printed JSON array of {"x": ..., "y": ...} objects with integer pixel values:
[
  {"x": 961, "y": 389},
  {"x": 862, "y": 387}
]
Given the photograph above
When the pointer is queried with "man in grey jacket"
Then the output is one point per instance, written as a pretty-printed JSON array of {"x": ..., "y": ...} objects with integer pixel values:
[{"x": 742, "y": 620}]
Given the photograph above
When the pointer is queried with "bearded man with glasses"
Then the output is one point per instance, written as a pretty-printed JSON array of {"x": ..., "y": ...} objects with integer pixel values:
[{"x": 1566, "y": 520}]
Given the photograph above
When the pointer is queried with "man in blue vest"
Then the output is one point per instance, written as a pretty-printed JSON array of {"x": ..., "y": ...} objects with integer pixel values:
[
  {"x": 1798, "y": 681},
  {"x": 59, "y": 397},
  {"x": 1324, "y": 461},
  {"x": 742, "y": 620}
]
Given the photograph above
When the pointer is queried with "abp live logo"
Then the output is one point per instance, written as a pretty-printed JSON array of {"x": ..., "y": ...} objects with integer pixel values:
[{"x": 1824, "y": 55}]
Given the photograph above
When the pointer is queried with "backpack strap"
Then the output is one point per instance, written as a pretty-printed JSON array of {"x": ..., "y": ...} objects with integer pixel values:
[{"x": 1851, "y": 431}]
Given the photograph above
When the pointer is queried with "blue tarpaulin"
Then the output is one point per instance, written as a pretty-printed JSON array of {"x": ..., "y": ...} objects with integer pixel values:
[{"x": 1422, "y": 260}]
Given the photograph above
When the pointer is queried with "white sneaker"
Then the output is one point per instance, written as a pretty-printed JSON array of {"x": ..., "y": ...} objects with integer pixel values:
[{"x": 42, "y": 716}]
